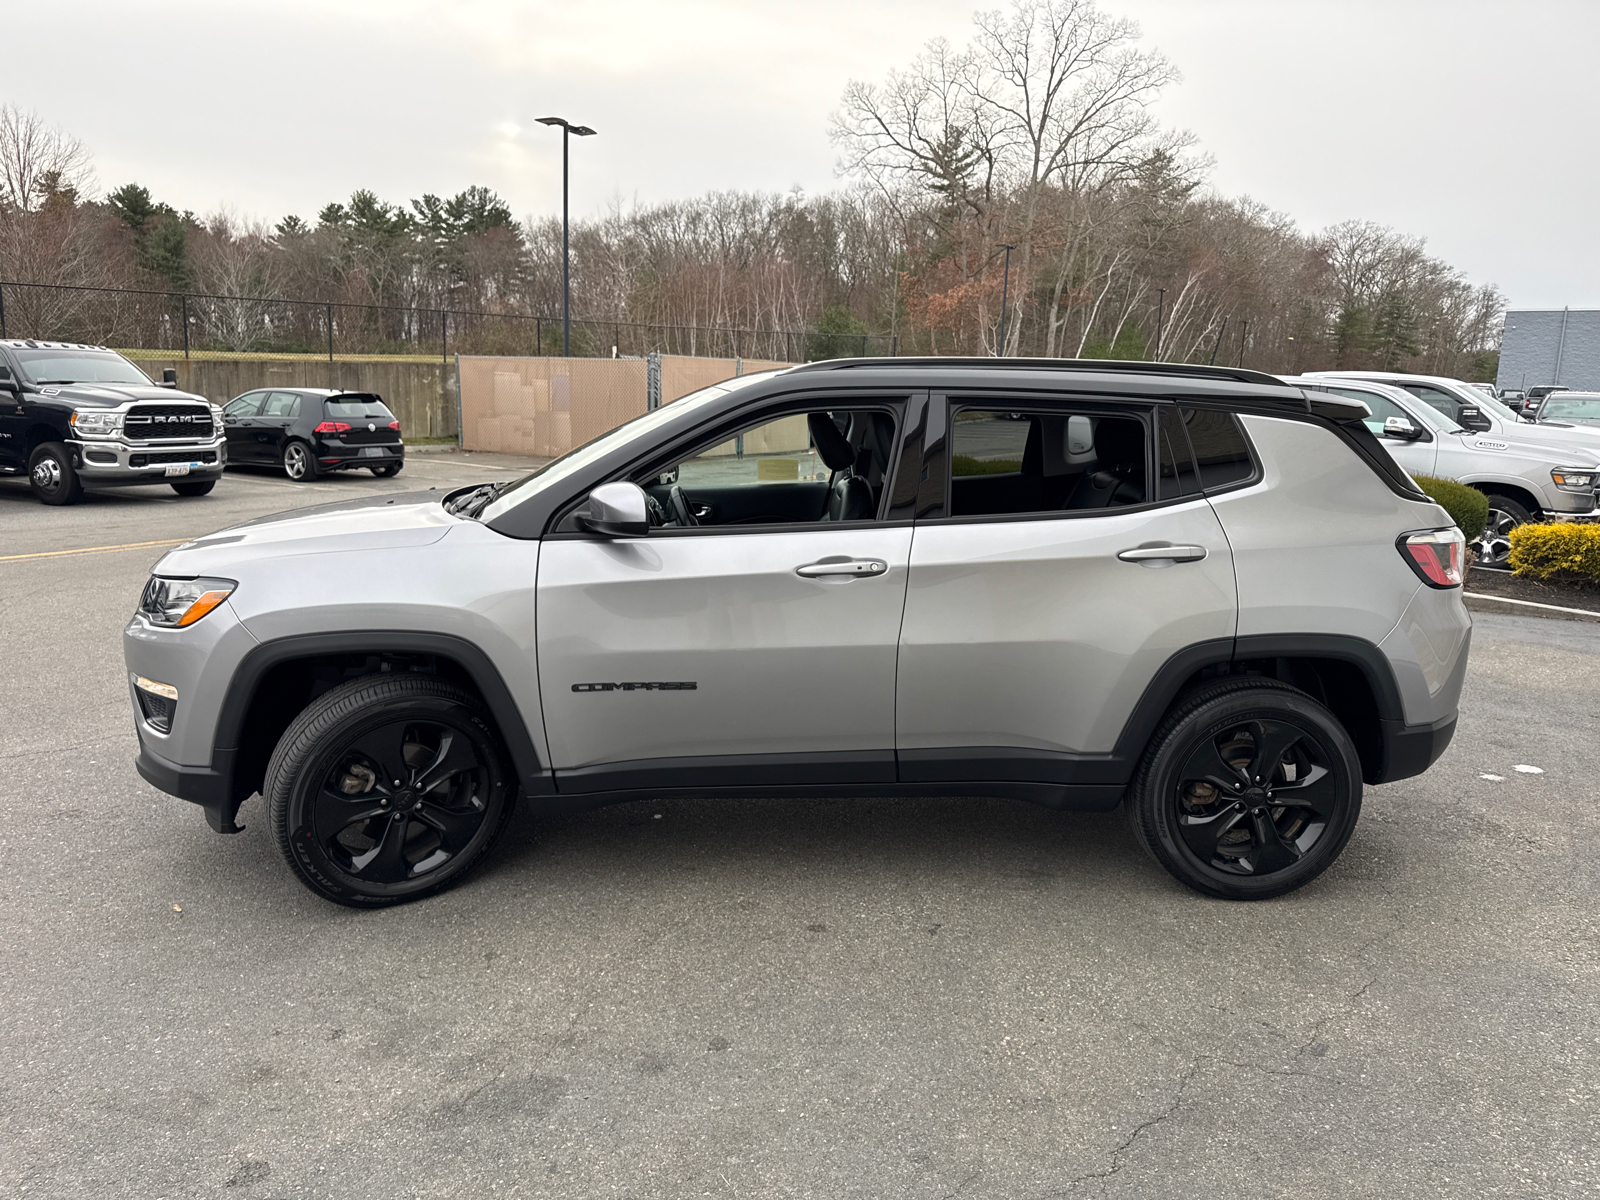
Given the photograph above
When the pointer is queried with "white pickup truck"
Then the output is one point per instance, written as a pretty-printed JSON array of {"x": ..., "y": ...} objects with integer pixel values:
[{"x": 1527, "y": 471}]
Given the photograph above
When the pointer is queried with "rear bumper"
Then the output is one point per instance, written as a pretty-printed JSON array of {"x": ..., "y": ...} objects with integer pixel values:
[
  {"x": 1411, "y": 749},
  {"x": 333, "y": 458}
]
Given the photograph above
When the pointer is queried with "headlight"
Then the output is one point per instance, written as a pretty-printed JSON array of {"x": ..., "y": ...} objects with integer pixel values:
[
  {"x": 1575, "y": 479},
  {"x": 174, "y": 603},
  {"x": 97, "y": 424}
]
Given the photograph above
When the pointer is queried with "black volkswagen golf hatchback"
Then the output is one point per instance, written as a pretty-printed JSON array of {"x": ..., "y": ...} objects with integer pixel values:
[{"x": 311, "y": 431}]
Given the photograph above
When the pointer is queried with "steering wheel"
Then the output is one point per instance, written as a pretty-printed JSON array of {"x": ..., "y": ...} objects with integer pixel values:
[
  {"x": 680, "y": 507},
  {"x": 654, "y": 513}
]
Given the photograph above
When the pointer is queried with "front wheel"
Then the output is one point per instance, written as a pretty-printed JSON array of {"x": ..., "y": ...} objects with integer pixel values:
[
  {"x": 52, "y": 476},
  {"x": 298, "y": 464},
  {"x": 1249, "y": 789},
  {"x": 195, "y": 487},
  {"x": 387, "y": 789},
  {"x": 1494, "y": 547}
]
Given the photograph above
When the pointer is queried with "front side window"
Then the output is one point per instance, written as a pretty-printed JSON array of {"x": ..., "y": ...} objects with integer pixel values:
[
  {"x": 247, "y": 405},
  {"x": 1005, "y": 463},
  {"x": 800, "y": 467}
]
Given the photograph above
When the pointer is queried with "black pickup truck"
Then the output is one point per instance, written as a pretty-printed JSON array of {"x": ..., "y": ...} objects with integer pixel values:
[{"x": 74, "y": 416}]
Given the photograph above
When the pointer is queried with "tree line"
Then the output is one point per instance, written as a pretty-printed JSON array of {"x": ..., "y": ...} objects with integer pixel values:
[{"x": 1033, "y": 142}]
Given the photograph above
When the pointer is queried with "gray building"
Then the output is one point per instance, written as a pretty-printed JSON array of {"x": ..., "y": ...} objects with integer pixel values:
[{"x": 1551, "y": 345}]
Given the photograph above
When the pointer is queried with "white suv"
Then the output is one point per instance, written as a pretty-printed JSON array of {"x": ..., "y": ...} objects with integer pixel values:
[{"x": 1200, "y": 593}]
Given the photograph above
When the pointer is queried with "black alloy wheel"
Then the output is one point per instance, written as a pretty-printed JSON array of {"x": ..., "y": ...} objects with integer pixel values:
[
  {"x": 52, "y": 476},
  {"x": 1250, "y": 789},
  {"x": 1494, "y": 547},
  {"x": 298, "y": 464},
  {"x": 387, "y": 471},
  {"x": 387, "y": 789}
]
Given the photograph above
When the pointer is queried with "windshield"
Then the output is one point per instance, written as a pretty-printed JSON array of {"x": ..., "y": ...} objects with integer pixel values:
[
  {"x": 558, "y": 469},
  {"x": 1563, "y": 408},
  {"x": 78, "y": 366}
]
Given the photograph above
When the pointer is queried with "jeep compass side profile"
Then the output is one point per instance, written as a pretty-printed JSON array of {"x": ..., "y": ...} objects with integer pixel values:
[{"x": 1200, "y": 593}]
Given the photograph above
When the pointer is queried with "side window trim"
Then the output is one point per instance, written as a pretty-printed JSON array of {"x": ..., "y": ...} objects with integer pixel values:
[{"x": 1254, "y": 477}]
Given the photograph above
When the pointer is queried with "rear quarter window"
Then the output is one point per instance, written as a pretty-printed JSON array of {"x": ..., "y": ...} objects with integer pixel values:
[{"x": 1221, "y": 453}]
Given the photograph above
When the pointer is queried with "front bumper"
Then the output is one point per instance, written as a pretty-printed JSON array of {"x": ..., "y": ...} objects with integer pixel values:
[
  {"x": 113, "y": 461},
  {"x": 209, "y": 787}
]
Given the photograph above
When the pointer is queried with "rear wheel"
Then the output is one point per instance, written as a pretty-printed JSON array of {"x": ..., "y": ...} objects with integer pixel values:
[
  {"x": 385, "y": 790},
  {"x": 298, "y": 464},
  {"x": 387, "y": 471},
  {"x": 1249, "y": 789},
  {"x": 195, "y": 487},
  {"x": 51, "y": 475},
  {"x": 1494, "y": 547}
]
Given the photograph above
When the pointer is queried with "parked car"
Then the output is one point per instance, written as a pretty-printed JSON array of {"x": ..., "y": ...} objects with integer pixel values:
[
  {"x": 311, "y": 431},
  {"x": 1524, "y": 479},
  {"x": 1568, "y": 407},
  {"x": 1487, "y": 389},
  {"x": 1513, "y": 398},
  {"x": 1538, "y": 392},
  {"x": 75, "y": 416},
  {"x": 1226, "y": 609}
]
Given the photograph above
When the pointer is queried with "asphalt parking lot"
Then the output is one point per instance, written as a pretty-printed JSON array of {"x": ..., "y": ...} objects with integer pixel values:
[{"x": 934, "y": 998}]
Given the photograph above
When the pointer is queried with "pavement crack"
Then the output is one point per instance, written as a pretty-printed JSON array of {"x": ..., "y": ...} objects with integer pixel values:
[{"x": 1139, "y": 1131}]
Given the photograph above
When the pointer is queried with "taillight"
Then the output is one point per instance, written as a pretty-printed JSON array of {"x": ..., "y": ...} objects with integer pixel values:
[
  {"x": 395, "y": 425},
  {"x": 1436, "y": 555},
  {"x": 332, "y": 427}
]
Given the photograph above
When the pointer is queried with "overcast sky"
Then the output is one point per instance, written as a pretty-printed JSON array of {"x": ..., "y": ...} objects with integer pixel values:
[{"x": 1470, "y": 124}]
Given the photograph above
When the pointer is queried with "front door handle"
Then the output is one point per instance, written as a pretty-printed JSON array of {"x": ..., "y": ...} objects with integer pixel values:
[
  {"x": 1157, "y": 554},
  {"x": 854, "y": 568}
]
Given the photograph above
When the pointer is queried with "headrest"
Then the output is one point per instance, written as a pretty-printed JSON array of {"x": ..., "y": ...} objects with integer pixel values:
[
  {"x": 834, "y": 448},
  {"x": 1119, "y": 442}
]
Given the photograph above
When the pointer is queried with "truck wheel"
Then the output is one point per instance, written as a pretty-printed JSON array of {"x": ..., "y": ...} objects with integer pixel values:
[
  {"x": 1494, "y": 547},
  {"x": 51, "y": 476},
  {"x": 195, "y": 487},
  {"x": 1249, "y": 789},
  {"x": 387, "y": 789},
  {"x": 298, "y": 464}
]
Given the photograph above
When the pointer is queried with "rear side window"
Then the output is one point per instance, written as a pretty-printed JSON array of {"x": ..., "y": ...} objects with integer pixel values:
[
  {"x": 351, "y": 408},
  {"x": 1005, "y": 463},
  {"x": 1220, "y": 450},
  {"x": 281, "y": 404}
]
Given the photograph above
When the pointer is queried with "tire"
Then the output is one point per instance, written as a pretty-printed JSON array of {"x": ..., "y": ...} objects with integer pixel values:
[
  {"x": 347, "y": 831},
  {"x": 195, "y": 487},
  {"x": 1494, "y": 547},
  {"x": 1232, "y": 838},
  {"x": 387, "y": 471},
  {"x": 298, "y": 463},
  {"x": 52, "y": 476}
]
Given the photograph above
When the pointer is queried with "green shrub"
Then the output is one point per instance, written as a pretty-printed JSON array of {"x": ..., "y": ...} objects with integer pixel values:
[
  {"x": 1562, "y": 550},
  {"x": 1468, "y": 507}
]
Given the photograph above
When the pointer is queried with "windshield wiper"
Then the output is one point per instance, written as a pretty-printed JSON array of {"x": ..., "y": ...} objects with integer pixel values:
[
  {"x": 474, "y": 502},
  {"x": 47, "y": 382}
]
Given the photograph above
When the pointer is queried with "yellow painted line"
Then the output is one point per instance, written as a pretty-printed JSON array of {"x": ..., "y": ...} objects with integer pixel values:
[{"x": 93, "y": 549}]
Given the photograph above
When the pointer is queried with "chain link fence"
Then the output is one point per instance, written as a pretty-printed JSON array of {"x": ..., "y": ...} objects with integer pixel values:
[{"x": 192, "y": 324}]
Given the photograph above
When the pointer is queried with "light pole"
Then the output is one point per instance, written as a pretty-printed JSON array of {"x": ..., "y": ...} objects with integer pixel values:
[
  {"x": 1005, "y": 294},
  {"x": 1161, "y": 304},
  {"x": 566, "y": 257}
]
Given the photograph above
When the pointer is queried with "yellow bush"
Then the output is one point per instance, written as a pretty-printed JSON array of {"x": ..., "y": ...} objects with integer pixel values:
[{"x": 1559, "y": 551}]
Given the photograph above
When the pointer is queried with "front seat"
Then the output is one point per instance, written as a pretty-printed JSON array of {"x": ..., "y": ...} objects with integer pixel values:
[
  {"x": 849, "y": 495},
  {"x": 1119, "y": 477}
]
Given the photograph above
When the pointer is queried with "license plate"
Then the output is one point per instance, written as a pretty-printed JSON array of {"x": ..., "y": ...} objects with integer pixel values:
[
  {"x": 178, "y": 468},
  {"x": 372, "y": 451}
]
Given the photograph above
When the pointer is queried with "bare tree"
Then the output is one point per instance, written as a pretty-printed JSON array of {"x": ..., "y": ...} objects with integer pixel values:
[{"x": 38, "y": 161}]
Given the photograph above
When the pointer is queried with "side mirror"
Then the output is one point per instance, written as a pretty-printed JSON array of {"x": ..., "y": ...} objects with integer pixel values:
[
  {"x": 1471, "y": 417},
  {"x": 1399, "y": 427},
  {"x": 169, "y": 376},
  {"x": 8, "y": 384},
  {"x": 616, "y": 510}
]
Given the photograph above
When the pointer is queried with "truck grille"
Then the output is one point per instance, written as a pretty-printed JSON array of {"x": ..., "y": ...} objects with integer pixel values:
[{"x": 147, "y": 421}]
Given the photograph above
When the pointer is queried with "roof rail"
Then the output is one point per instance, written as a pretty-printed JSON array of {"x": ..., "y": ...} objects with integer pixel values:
[{"x": 1108, "y": 366}]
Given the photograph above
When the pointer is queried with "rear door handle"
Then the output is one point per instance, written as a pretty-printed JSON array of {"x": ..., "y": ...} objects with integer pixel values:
[
  {"x": 1142, "y": 554},
  {"x": 854, "y": 568}
]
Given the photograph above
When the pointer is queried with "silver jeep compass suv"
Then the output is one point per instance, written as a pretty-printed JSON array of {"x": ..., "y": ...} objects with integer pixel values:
[{"x": 1200, "y": 593}]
